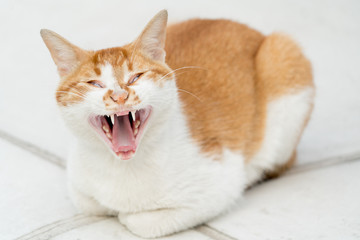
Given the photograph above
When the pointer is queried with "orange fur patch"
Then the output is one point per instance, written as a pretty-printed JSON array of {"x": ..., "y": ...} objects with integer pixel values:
[{"x": 243, "y": 71}]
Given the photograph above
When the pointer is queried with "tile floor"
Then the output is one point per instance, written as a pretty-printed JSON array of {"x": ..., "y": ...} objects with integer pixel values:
[{"x": 318, "y": 199}]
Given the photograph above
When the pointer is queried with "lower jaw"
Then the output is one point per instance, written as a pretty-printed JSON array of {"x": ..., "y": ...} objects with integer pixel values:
[{"x": 125, "y": 155}]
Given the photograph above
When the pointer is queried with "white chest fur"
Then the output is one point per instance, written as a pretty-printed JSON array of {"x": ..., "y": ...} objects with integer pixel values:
[{"x": 168, "y": 171}]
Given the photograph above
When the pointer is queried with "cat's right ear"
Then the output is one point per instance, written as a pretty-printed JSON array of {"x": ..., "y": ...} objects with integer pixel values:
[
  {"x": 152, "y": 39},
  {"x": 65, "y": 55}
]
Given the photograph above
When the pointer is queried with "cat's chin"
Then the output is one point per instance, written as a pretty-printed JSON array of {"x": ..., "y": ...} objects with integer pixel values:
[
  {"x": 122, "y": 131},
  {"x": 127, "y": 155}
]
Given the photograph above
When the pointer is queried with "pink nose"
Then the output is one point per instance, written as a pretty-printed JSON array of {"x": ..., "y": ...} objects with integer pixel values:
[{"x": 119, "y": 97}]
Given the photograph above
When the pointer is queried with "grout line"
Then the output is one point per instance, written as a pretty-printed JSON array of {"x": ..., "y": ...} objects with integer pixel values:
[
  {"x": 48, "y": 227},
  {"x": 55, "y": 159},
  {"x": 213, "y": 233},
  {"x": 327, "y": 162},
  {"x": 59, "y": 227},
  {"x": 42, "y": 153}
]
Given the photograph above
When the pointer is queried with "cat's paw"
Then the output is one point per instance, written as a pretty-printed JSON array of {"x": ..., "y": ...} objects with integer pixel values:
[{"x": 149, "y": 224}]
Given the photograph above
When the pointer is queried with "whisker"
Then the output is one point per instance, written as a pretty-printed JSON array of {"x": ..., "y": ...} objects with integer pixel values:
[
  {"x": 77, "y": 91},
  {"x": 76, "y": 94},
  {"x": 186, "y": 67},
  {"x": 81, "y": 96},
  {"x": 186, "y": 91},
  {"x": 192, "y": 94}
]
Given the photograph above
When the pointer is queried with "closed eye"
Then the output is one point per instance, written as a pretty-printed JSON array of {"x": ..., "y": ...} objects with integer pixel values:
[
  {"x": 134, "y": 78},
  {"x": 96, "y": 83}
]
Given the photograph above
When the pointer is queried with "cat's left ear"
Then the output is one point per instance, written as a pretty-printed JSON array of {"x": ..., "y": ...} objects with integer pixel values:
[
  {"x": 152, "y": 39},
  {"x": 65, "y": 55}
]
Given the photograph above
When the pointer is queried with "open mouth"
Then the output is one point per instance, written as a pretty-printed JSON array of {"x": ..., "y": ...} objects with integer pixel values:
[{"x": 122, "y": 131}]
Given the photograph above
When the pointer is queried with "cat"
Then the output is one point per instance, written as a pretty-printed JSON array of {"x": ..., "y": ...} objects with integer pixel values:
[{"x": 170, "y": 135}]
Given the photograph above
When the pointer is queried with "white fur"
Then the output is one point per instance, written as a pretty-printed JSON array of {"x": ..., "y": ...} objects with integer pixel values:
[
  {"x": 107, "y": 77},
  {"x": 169, "y": 185},
  {"x": 284, "y": 123}
]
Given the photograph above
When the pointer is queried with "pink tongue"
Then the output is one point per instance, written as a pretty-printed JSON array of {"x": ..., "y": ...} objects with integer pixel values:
[{"x": 123, "y": 137}]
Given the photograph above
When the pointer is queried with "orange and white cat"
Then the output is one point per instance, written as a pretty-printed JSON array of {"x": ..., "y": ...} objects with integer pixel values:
[{"x": 170, "y": 135}]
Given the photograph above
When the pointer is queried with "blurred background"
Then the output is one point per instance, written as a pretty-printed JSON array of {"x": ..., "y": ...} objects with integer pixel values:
[{"x": 327, "y": 30}]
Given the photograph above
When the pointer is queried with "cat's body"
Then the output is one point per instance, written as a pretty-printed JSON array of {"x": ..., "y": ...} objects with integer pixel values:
[{"x": 235, "y": 115}]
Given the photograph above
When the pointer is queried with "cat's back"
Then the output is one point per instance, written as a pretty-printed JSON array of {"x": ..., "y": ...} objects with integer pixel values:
[
  {"x": 217, "y": 84},
  {"x": 199, "y": 40},
  {"x": 227, "y": 75},
  {"x": 215, "y": 51}
]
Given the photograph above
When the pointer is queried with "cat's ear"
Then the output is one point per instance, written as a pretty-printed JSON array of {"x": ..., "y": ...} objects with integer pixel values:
[
  {"x": 65, "y": 55},
  {"x": 152, "y": 39}
]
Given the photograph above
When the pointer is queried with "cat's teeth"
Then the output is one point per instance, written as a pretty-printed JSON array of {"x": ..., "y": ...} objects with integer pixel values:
[
  {"x": 109, "y": 135},
  {"x": 136, "y": 131},
  {"x": 112, "y": 119},
  {"x": 105, "y": 128},
  {"x": 137, "y": 123},
  {"x": 133, "y": 115}
]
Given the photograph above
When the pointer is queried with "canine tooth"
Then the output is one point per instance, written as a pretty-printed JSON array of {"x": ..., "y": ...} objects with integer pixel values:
[
  {"x": 133, "y": 115},
  {"x": 109, "y": 135},
  {"x": 137, "y": 123},
  {"x": 112, "y": 119},
  {"x": 106, "y": 129},
  {"x": 136, "y": 131}
]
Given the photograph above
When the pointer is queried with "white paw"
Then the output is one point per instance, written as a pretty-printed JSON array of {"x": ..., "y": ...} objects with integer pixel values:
[{"x": 148, "y": 224}]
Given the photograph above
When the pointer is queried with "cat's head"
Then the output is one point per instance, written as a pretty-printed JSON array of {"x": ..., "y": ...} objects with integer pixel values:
[{"x": 113, "y": 94}]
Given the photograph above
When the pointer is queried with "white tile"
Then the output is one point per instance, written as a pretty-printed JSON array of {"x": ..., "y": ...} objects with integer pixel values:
[
  {"x": 33, "y": 192},
  {"x": 318, "y": 204},
  {"x": 110, "y": 229},
  {"x": 328, "y": 31}
]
